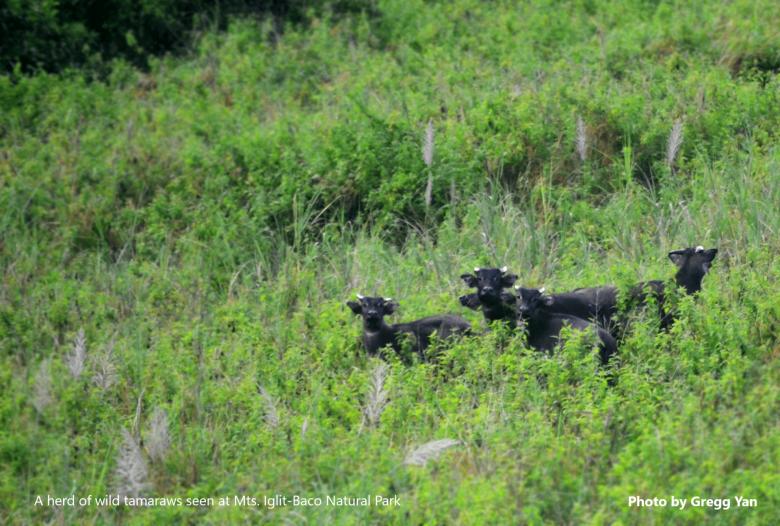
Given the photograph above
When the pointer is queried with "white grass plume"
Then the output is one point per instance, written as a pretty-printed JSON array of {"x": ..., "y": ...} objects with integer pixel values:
[
  {"x": 429, "y": 451},
  {"x": 429, "y": 190},
  {"x": 674, "y": 143},
  {"x": 377, "y": 396},
  {"x": 77, "y": 358},
  {"x": 304, "y": 427},
  {"x": 137, "y": 419},
  {"x": 130, "y": 475},
  {"x": 158, "y": 438},
  {"x": 427, "y": 152},
  {"x": 271, "y": 415},
  {"x": 582, "y": 139},
  {"x": 42, "y": 397},
  {"x": 428, "y": 144},
  {"x": 105, "y": 371}
]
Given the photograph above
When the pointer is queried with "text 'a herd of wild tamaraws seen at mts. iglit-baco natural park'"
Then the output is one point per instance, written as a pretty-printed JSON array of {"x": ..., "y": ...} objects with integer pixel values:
[{"x": 540, "y": 315}]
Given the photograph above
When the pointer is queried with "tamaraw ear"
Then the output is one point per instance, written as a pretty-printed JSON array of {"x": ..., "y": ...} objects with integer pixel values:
[
  {"x": 525, "y": 293},
  {"x": 677, "y": 257},
  {"x": 470, "y": 301},
  {"x": 355, "y": 306},
  {"x": 508, "y": 298},
  {"x": 507, "y": 280},
  {"x": 709, "y": 255},
  {"x": 469, "y": 279},
  {"x": 390, "y": 305}
]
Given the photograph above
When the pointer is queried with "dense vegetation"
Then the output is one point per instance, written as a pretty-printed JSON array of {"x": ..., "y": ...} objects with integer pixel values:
[
  {"x": 204, "y": 220},
  {"x": 54, "y": 34}
]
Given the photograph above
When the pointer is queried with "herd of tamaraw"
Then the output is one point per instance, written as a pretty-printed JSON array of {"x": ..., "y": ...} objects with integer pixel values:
[{"x": 540, "y": 315}]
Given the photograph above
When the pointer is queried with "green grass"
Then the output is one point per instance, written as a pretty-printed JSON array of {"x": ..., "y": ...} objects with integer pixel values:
[{"x": 207, "y": 220}]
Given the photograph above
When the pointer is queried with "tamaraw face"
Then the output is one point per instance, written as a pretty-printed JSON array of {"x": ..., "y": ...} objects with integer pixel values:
[
  {"x": 373, "y": 309},
  {"x": 692, "y": 264},
  {"x": 489, "y": 282},
  {"x": 532, "y": 301},
  {"x": 696, "y": 259}
]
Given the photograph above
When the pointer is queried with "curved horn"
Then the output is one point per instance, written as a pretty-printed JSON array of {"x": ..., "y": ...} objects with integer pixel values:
[
  {"x": 476, "y": 269},
  {"x": 700, "y": 249},
  {"x": 388, "y": 299},
  {"x": 359, "y": 296},
  {"x": 503, "y": 269},
  {"x": 541, "y": 291}
]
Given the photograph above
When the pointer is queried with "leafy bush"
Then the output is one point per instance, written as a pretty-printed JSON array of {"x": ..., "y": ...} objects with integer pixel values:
[
  {"x": 52, "y": 35},
  {"x": 204, "y": 220}
]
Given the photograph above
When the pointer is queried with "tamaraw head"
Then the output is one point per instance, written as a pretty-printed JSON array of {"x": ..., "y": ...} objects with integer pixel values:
[
  {"x": 692, "y": 264},
  {"x": 489, "y": 282},
  {"x": 373, "y": 309}
]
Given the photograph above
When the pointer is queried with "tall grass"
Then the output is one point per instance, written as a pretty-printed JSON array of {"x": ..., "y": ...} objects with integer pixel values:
[{"x": 204, "y": 222}]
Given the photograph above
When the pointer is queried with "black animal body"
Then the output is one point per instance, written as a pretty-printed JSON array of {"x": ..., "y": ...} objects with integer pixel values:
[
  {"x": 692, "y": 265},
  {"x": 377, "y": 333},
  {"x": 543, "y": 327},
  {"x": 601, "y": 303},
  {"x": 596, "y": 304}
]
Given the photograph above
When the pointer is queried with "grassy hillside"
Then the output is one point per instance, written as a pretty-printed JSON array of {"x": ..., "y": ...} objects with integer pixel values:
[{"x": 203, "y": 223}]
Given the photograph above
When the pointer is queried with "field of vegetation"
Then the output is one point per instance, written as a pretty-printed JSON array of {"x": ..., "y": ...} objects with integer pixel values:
[{"x": 178, "y": 242}]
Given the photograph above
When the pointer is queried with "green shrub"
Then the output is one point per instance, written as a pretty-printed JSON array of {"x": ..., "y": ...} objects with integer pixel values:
[{"x": 204, "y": 221}]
